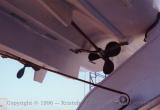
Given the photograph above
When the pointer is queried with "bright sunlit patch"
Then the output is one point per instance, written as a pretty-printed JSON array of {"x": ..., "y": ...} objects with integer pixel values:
[
  {"x": 55, "y": 93},
  {"x": 156, "y": 4}
]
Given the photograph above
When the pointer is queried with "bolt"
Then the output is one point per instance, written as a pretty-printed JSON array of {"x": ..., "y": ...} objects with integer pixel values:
[{"x": 123, "y": 100}]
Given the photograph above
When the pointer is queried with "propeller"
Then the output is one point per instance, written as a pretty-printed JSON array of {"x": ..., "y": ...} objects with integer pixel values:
[
  {"x": 108, "y": 66},
  {"x": 20, "y": 73},
  {"x": 93, "y": 56},
  {"x": 112, "y": 49}
]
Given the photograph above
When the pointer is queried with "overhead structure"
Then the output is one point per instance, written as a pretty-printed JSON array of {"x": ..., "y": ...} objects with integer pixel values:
[
  {"x": 42, "y": 29},
  {"x": 48, "y": 33}
]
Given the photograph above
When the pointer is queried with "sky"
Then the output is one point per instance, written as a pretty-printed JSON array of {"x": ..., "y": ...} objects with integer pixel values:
[{"x": 55, "y": 93}]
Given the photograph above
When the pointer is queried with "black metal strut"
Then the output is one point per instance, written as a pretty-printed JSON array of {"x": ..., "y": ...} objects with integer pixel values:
[{"x": 85, "y": 36}]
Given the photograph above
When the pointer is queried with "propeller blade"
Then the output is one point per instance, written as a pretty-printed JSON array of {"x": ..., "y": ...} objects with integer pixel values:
[
  {"x": 112, "y": 49},
  {"x": 108, "y": 66},
  {"x": 21, "y": 72},
  {"x": 93, "y": 56}
]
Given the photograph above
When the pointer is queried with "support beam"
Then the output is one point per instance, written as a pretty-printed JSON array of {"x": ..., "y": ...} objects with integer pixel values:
[
  {"x": 20, "y": 41},
  {"x": 40, "y": 19},
  {"x": 60, "y": 9}
]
